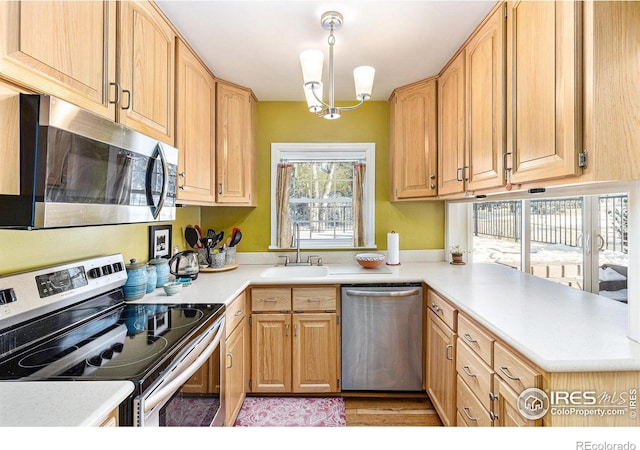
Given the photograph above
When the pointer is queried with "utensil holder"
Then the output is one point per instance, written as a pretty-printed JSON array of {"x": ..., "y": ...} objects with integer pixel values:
[
  {"x": 217, "y": 260},
  {"x": 230, "y": 257}
]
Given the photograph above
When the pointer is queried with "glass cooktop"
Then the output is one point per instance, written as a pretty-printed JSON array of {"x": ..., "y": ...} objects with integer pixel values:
[{"x": 128, "y": 342}]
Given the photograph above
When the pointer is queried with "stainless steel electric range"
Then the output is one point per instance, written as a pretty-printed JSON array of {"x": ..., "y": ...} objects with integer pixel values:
[{"x": 70, "y": 322}]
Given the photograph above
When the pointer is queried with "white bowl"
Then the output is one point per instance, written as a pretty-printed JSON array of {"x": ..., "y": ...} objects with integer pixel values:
[
  {"x": 172, "y": 288},
  {"x": 370, "y": 260}
]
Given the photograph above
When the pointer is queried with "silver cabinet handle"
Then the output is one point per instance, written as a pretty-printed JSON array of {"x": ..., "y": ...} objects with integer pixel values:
[
  {"x": 286, "y": 330},
  {"x": 458, "y": 172},
  {"x": 314, "y": 300},
  {"x": 468, "y": 337},
  {"x": 239, "y": 313},
  {"x": 493, "y": 396},
  {"x": 270, "y": 300},
  {"x": 295, "y": 330},
  {"x": 447, "y": 354},
  {"x": 220, "y": 188},
  {"x": 466, "y": 413},
  {"x": 436, "y": 308},
  {"x": 505, "y": 371},
  {"x": 230, "y": 359},
  {"x": 468, "y": 372},
  {"x": 493, "y": 416}
]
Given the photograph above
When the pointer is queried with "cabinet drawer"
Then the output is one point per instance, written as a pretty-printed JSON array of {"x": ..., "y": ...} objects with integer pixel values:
[
  {"x": 514, "y": 370},
  {"x": 270, "y": 299},
  {"x": 315, "y": 299},
  {"x": 236, "y": 311},
  {"x": 476, "y": 338},
  {"x": 443, "y": 309},
  {"x": 471, "y": 412},
  {"x": 474, "y": 372}
]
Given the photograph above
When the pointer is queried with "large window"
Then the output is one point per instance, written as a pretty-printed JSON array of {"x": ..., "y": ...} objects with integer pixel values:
[
  {"x": 577, "y": 241},
  {"x": 325, "y": 192}
]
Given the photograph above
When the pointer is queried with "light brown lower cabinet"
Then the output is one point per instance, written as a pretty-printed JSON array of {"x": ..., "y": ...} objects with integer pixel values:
[
  {"x": 441, "y": 368},
  {"x": 236, "y": 359},
  {"x": 470, "y": 410},
  {"x": 294, "y": 339}
]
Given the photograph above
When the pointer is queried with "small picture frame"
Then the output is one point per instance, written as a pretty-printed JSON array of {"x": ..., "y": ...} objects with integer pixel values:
[{"x": 159, "y": 241}]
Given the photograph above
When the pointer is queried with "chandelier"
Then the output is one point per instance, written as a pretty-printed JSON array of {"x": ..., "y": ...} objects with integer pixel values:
[{"x": 311, "y": 62}]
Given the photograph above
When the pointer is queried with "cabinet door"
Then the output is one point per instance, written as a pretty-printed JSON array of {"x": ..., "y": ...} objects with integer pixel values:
[
  {"x": 441, "y": 369},
  {"x": 271, "y": 352},
  {"x": 315, "y": 353},
  {"x": 195, "y": 128},
  {"x": 65, "y": 49},
  {"x": 543, "y": 89},
  {"x": 413, "y": 140},
  {"x": 505, "y": 407},
  {"x": 236, "y": 372},
  {"x": 147, "y": 66},
  {"x": 234, "y": 150},
  {"x": 451, "y": 128},
  {"x": 485, "y": 146}
]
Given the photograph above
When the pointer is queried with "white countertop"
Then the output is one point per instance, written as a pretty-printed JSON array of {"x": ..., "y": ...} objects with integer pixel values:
[
  {"x": 557, "y": 327},
  {"x": 59, "y": 403}
]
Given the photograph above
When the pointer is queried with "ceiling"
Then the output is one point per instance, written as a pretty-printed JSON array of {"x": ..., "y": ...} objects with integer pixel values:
[{"x": 257, "y": 43}]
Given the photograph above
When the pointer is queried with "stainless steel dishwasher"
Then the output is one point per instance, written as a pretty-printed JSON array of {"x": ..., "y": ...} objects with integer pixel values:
[{"x": 382, "y": 337}]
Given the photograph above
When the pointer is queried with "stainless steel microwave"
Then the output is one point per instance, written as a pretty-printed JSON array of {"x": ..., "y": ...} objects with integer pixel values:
[{"x": 78, "y": 168}]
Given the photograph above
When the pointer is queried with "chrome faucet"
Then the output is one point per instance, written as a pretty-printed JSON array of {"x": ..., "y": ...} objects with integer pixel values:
[{"x": 298, "y": 261}]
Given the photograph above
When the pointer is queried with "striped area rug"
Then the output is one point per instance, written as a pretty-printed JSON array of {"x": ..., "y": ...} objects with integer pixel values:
[{"x": 291, "y": 412}]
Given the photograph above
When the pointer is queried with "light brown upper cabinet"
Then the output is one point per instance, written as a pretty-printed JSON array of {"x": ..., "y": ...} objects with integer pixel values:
[
  {"x": 235, "y": 149},
  {"x": 65, "y": 49},
  {"x": 146, "y": 66},
  {"x": 412, "y": 137},
  {"x": 485, "y": 97},
  {"x": 544, "y": 95},
  {"x": 195, "y": 128},
  {"x": 116, "y": 59},
  {"x": 451, "y": 128},
  {"x": 612, "y": 95}
]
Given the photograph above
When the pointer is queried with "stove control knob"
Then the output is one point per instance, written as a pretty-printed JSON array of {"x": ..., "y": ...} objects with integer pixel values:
[
  {"x": 96, "y": 272},
  {"x": 7, "y": 296},
  {"x": 95, "y": 361},
  {"x": 107, "y": 354},
  {"x": 117, "y": 348}
]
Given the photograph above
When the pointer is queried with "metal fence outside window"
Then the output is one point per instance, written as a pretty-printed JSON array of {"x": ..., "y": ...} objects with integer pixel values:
[{"x": 553, "y": 221}]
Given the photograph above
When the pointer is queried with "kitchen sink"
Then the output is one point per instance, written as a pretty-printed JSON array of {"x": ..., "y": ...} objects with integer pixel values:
[{"x": 295, "y": 271}]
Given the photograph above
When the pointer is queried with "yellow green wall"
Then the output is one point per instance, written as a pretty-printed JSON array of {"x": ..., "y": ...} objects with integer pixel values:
[
  {"x": 420, "y": 224},
  {"x": 23, "y": 250}
]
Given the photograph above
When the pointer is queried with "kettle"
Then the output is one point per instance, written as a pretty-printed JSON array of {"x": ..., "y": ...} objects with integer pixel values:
[{"x": 184, "y": 265}]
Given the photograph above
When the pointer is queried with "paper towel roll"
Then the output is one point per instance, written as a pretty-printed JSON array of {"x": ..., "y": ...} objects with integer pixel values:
[{"x": 393, "y": 248}]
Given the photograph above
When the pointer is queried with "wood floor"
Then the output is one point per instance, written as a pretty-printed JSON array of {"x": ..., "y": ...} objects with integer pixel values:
[{"x": 389, "y": 411}]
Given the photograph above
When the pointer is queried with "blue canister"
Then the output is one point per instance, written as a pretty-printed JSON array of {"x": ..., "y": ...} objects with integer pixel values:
[
  {"x": 152, "y": 278},
  {"x": 136, "y": 285},
  {"x": 162, "y": 270}
]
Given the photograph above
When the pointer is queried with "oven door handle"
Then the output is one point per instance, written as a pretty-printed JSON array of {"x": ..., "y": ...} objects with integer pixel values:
[{"x": 191, "y": 363}]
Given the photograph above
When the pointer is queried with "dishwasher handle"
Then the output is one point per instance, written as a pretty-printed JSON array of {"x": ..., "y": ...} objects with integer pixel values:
[{"x": 405, "y": 293}]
